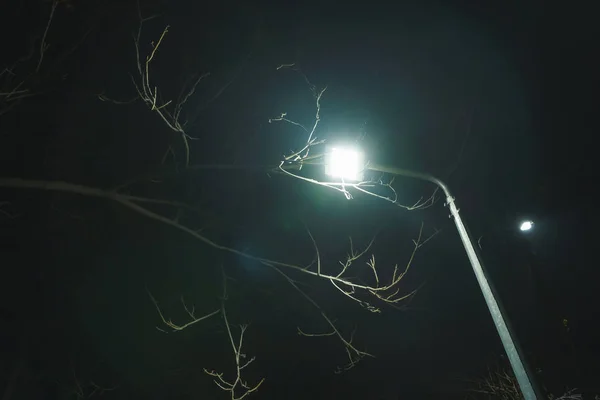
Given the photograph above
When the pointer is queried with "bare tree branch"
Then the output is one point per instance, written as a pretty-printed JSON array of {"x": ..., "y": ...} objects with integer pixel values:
[
  {"x": 43, "y": 45},
  {"x": 131, "y": 202},
  {"x": 238, "y": 384},
  {"x": 18, "y": 81},
  {"x": 149, "y": 92},
  {"x": 83, "y": 391},
  {"x": 387, "y": 293},
  {"x": 503, "y": 385},
  {"x": 174, "y": 327},
  {"x": 317, "y": 93},
  {"x": 354, "y": 355}
]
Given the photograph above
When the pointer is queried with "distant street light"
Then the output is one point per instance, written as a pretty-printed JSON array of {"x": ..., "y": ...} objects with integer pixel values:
[
  {"x": 344, "y": 163},
  {"x": 526, "y": 226}
]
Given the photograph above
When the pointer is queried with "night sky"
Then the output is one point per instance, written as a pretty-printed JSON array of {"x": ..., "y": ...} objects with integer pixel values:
[{"x": 497, "y": 99}]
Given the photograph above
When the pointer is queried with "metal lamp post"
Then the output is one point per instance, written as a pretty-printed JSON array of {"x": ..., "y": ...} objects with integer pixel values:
[{"x": 529, "y": 390}]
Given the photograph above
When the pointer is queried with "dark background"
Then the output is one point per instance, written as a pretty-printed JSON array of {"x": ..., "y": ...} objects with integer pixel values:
[{"x": 496, "y": 98}]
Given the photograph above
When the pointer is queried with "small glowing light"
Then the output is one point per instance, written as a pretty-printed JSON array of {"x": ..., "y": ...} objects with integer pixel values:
[
  {"x": 526, "y": 226},
  {"x": 344, "y": 163}
]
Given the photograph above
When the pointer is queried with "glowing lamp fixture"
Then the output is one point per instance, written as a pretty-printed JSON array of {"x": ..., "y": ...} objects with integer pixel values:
[
  {"x": 344, "y": 163},
  {"x": 526, "y": 226}
]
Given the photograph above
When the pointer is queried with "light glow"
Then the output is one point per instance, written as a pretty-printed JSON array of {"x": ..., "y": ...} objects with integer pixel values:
[
  {"x": 526, "y": 226},
  {"x": 344, "y": 163}
]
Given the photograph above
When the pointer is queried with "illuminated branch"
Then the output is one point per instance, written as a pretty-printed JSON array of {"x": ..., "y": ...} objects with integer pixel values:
[
  {"x": 238, "y": 384},
  {"x": 354, "y": 355},
  {"x": 43, "y": 45},
  {"x": 191, "y": 313},
  {"x": 284, "y": 167},
  {"x": 11, "y": 92},
  {"x": 353, "y": 256},
  {"x": 388, "y": 293},
  {"x": 393, "y": 198},
  {"x": 133, "y": 203},
  {"x": 149, "y": 93},
  {"x": 312, "y": 139}
]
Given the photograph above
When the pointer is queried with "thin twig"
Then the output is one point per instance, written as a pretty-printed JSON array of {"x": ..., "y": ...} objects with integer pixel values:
[
  {"x": 174, "y": 327},
  {"x": 238, "y": 383},
  {"x": 43, "y": 44}
]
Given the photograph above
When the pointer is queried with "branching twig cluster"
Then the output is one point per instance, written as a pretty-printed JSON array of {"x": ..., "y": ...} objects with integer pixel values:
[
  {"x": 303, "y": 154},
  {"x": 388, "y": 292},
  {"x": 12, "y": 85},
  {"x": 499, "y": 384},
  {"x": 19, "y": 79},
  {"x": 84, "y": 391},
  {"x": 354, "y": 355},
  {"x": 569, "y": 395},
  {"x": 190, "y": 312},
  {"x": 238, "y": 387},
  {"x": 502, "y": 385},
  {"x": 134, "y": 203},
  {"x": 301, "y": 157},
  {"x": 168, "y": 110},
  {"x": 11, "y": 89}
]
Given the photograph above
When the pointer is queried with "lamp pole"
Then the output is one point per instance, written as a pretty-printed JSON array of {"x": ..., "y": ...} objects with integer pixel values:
[{"x": 509, "y": 341}]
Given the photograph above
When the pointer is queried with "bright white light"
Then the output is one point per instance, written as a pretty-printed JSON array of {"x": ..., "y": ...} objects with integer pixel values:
[
  {"x": 526, "y": 226},
  {"x": 344, "y": 163}
]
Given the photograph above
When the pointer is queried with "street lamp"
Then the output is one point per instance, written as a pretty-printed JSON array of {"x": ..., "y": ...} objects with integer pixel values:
[
  {"x": 526, "y": 226},
  {"x": 343, "y": 163}
]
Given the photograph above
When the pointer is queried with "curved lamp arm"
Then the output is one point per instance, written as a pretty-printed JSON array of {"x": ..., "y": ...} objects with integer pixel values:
[{"x": 508, "y": 338}]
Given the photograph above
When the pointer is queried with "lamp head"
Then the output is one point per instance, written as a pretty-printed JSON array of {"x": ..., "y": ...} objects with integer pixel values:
[{"x": 345, "y": 163}]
